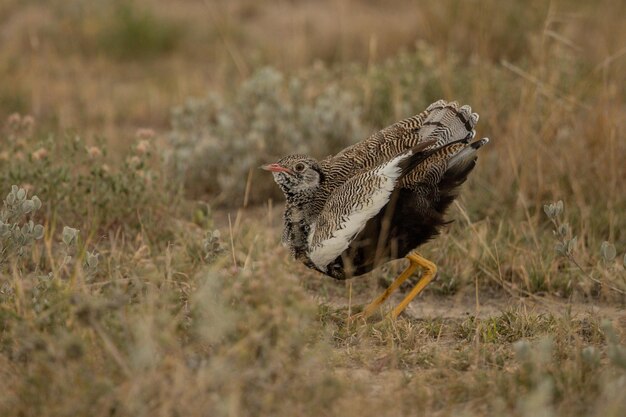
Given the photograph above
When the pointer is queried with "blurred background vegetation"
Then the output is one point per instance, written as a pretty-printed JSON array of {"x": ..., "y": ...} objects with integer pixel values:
[
  {"x": 146, "y": 277},
  {"x": 115, "y": 65}
]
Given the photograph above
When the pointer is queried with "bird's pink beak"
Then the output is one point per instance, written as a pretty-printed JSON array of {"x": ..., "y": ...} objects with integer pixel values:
[{"x": 276, "y": 168}]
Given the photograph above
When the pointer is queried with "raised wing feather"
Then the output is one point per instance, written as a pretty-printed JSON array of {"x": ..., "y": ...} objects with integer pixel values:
[
  {"x": 444, "y": 122},
  {"x": 441, "y": 123},
  {"x": 349, "y": 208}
]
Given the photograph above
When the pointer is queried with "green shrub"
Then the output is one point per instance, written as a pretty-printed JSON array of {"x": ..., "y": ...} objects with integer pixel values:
[
  {"x": 16, "y": 232},
  {"x": 217, "y": 143},
  {"x": 133, "y": 33},
  {"x": 83, "y": 187}
]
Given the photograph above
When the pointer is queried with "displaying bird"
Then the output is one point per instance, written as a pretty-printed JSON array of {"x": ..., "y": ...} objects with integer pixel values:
[{"x": 379, "y": 199}]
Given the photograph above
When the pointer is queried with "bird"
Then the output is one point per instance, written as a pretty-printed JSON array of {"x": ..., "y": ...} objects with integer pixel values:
[{"x": 379, "y": 199}]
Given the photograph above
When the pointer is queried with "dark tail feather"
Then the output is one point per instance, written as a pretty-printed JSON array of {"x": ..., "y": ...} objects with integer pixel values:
[
  {"x": 421, "y": 152},
  {"x": 459, "y": 167}
]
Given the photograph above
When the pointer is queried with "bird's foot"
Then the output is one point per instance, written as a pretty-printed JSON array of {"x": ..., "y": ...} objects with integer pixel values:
[
  {"x": 365, "y": 315},
  {"x": 356, "y": 317}
]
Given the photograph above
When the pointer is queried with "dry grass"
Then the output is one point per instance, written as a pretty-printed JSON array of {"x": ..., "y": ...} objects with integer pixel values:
[{"x": 173, "y": 320}]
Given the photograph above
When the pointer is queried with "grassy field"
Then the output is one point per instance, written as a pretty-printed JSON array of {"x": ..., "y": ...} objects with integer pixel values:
[{"x": 140, "y": 267}]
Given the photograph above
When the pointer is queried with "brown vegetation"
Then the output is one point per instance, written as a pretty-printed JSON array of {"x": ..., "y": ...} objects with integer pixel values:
[{"x": 137, "y": 283}]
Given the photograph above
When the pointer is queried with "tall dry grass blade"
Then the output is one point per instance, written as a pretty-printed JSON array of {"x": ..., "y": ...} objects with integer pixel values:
[
  {"x": 543, "y": 88},
  {"x": 232, "y": 242},
  {"x": 562, "y": 39},
  {"x": 110, "y": 348},
  {"x": 608, "y": 61},
  {"x": 232, "y": 50},
  {"x": 249, "y": 254},
  {"x": 246, "y": 194}
]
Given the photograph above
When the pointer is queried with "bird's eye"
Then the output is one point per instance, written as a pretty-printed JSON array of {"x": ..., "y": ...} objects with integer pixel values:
[{"x": 299, "y": 166}]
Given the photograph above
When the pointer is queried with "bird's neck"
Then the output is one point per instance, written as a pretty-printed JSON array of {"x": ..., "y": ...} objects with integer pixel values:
[
  {"x": 298, "y": 217},
  {"x": 301, "y": 202}
]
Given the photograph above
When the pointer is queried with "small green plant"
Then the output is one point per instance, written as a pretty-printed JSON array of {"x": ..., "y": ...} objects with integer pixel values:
[
  {"x": 212, "y": 245},
  {"x": 534, "y": 376},
  {"x": 608, "y": 252},
  {"x": 17, "y": 229},
  {"x": 566, "y": 244},
  {"x": 616, "y": 351},
  {"x": 69, "y": 243},
  {"x": 18, "y": 234}
]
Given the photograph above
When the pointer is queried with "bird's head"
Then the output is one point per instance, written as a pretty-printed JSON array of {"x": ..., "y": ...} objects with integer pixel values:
[{"x": 296, "y": 174}]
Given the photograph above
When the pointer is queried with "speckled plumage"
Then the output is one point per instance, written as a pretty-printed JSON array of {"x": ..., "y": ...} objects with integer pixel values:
[{"x": 380, "y": 198}]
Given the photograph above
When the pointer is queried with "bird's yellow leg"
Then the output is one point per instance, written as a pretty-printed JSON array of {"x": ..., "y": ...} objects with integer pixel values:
[
  {"x": 371, "y": 307},
  {"x": 430, "y": 270}
]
